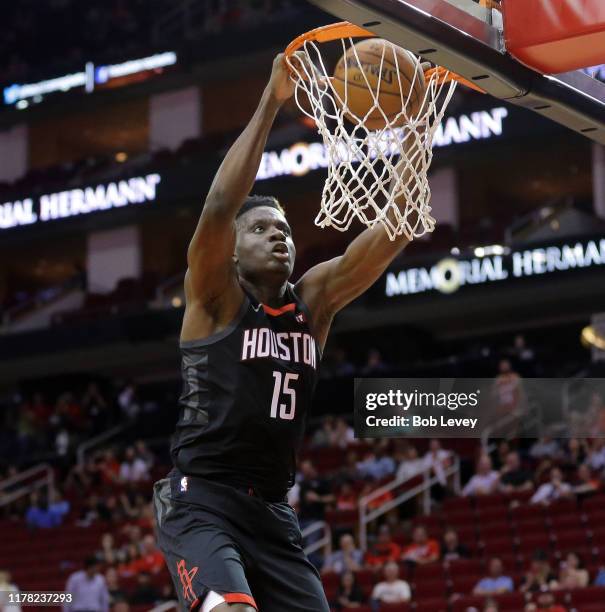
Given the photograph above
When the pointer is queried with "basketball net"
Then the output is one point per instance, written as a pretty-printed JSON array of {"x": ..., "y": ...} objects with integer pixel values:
[{"x": 375, "y": 176}]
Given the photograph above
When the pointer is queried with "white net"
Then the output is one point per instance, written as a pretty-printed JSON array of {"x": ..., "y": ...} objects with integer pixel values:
[{"x": 376, "y": 176}]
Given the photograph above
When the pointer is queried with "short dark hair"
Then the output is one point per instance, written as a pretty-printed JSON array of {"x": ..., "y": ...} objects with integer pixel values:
[
  {"x": 255, "y": 201},
  {"x": 90, "y": 562}
]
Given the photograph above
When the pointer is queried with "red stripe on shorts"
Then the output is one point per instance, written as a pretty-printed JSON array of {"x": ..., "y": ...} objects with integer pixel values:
[{"x": 240, "y": 598}]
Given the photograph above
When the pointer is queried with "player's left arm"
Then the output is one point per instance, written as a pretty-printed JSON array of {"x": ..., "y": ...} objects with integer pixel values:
[{"x": 331, "y": 285}]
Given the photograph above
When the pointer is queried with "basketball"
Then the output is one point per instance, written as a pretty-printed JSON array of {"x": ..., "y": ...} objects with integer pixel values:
[{"x": 350, "y": 83}]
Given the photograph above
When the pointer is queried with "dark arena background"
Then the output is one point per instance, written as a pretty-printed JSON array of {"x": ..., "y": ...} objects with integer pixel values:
[{"x": 114, "y": 117}]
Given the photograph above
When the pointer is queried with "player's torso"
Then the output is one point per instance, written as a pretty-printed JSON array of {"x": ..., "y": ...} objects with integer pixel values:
[{"x": 245, "y": 395}]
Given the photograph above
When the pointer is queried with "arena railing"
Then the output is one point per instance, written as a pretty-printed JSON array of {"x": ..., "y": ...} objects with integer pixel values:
[
  {"x": 31, "y": 483},
  {"x": 366, "y": 516},
  {"x": 92, "y": 443},
  {"x": 323, "y": 541}
]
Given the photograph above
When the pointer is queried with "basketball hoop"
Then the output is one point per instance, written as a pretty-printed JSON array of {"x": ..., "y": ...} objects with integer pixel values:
[{"x": 370, "y": 170}]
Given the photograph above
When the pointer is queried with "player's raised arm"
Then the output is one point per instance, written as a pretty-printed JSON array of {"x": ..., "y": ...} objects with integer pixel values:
[
  {"x": 331, "y": 285},
  {"x": 211, "y": 248}
]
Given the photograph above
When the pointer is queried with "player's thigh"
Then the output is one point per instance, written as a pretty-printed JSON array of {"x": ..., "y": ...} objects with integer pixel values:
[
  {"x": 200, "y": 553},
  {"x": 284, "y": 579},
  {"x": 233, "y": 608}
]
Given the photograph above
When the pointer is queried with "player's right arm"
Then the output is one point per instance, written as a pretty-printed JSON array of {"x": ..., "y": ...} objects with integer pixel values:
[{"x": 213, "y": 295}]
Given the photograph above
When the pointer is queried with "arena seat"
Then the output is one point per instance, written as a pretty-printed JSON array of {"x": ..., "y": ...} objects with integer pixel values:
[
  {"x": 428, "y": 589},
  {"x": 431, "y": 605},
  {"x": 463, "y": 603}
]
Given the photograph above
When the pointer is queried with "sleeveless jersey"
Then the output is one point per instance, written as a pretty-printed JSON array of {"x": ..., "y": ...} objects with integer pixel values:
[{"x": 246, "y": 394}]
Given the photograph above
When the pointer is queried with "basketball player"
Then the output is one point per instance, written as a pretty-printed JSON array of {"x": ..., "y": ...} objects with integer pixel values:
[{"x": 251, "y": 346}]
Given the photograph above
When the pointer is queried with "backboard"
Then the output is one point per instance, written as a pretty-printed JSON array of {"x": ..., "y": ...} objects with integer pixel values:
[{"x": 468, "y": 38}]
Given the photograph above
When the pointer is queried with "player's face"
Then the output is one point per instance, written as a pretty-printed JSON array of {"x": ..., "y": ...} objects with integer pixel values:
[{"x": 264, "y": 243}]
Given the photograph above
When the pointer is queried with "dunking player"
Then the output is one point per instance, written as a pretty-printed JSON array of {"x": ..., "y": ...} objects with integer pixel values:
[{"x": 251, "y": 346}]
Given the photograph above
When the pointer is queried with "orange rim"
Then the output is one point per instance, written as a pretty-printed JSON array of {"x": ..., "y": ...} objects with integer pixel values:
[{"x": 344, "y": 29}]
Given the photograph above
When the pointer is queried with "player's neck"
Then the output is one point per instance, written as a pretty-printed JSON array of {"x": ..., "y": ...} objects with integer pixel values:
[{"x": 270, "y": 295}]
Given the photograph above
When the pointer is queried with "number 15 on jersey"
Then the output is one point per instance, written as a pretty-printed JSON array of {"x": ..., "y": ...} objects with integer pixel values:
[{"x": 281, "y": 389}]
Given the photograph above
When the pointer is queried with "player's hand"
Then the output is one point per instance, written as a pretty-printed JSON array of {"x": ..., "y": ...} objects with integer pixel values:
[{"x": 281, "y": 85}]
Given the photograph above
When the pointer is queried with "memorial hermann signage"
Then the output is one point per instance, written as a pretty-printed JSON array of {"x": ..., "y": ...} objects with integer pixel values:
[
  {"x": 450, "y": 274},
  {"x": 65, "y": 204}
]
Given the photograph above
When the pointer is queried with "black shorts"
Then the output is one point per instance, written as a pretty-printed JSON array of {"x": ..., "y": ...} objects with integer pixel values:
[{"x": 219, "y": 538}]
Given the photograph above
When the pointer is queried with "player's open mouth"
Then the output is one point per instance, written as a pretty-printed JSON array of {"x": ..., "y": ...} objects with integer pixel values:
[{"x": 281, "y": 250}]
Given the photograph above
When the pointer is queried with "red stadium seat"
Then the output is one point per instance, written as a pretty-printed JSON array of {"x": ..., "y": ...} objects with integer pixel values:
[
  {"x": 595, "y": 503},
  {"x": 456, "y": 505},
  {"x": 495, "y": 530},
  {"x": 510, "y": 601},
  {"x": 463, "y": 603},
  {"x": 430, "y": 588},
  {"x": 570, "y": 540},
  {"x": 459, "y": 567},
  {"x": 431, "y": 605},
  {"x": 464, "y": 584},
  {"x": 589, "y": 595},
  {"x": 399, "y": 607},
  {"x": 493, "y": 514},
  {"x": 430, "y": 571},
  {"x": 562, "y": 522},
  {"x": 498, "y": 546},
  {"x": 342, "y": 519},
  {"x": 529, "y": 543}
]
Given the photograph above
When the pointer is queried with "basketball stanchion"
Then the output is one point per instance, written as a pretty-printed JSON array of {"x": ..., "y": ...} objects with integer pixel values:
[{"x": 377, "y": 113}]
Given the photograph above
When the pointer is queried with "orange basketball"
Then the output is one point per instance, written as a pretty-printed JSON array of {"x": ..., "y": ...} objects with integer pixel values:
[{"x": 392, "y": 88}]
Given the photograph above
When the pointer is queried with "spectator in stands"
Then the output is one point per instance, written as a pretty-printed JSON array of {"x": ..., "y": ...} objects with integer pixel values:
[
  {"x": 58, "y": 507},
  {"x": 374, "y": 364},
  {"x": 349, "y": 594},
  {"x": 422, "y": 550},
  {"x": 545, "y": 602},
  {"x": 109, "y": 467},
  {"x": 378, "y": 463},
  {"x": 412, "y": 464},
  {"x": 96, "y": 408},
  {"x": 107, "y": 554},
  {"x": 144, "y": 454},
  {"x": 485, "y": 481},
  {"x": 600, "y": 577},
  {"x": 347, "y": 499},
  {"x": 129, "y": 402},
  {"x": 553, "y": 490},
  {"x": 315, "y": 494},
  {"x": 322, "y": 437},
  {"x": 545, "y": 448},
  {"x": 507, "y": 388},
  {"x": 539, "y": 577},
  {"x": 151, "y": 560},
  {"x": 596, "y": 457},
  {"x": 500, "y": 453},
  {"x": 346, "y": 558},
  {"x": 343, "y": 434},
  {"x": 130, "y": 565},
  {"x": 490, "y": 606},
  {"x": 585, "y": 482},
  {"x": 392, "y": 589},
  {"x": 523, "y": 355},
  {"x": 133, "y": 468},
  {"x": 145, "y": 592},
  {"x": 437, "y": 459},
  {"x": 572, "y": 574},
  {"x": 495, "y": 582},
  {"x": 383, "y": 550},
  {"x": 349, "y": 471},
  {"x": 38, "y": 515},
  {"x": 574, "y": 453},
  {"x": 513, "y": 478},
  {"x": 113, "y": 586},
  {"x": 88, "y": 589},
  {"x": 451, "y": 549},
  {"x": 7, "y": 588},
  {"x": 342, "y": 366}
]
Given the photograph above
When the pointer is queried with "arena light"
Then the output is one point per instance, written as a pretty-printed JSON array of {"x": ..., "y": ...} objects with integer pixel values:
[
  {"x": 87, "y": 79},
  {"x": 592, "y": 338}
]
